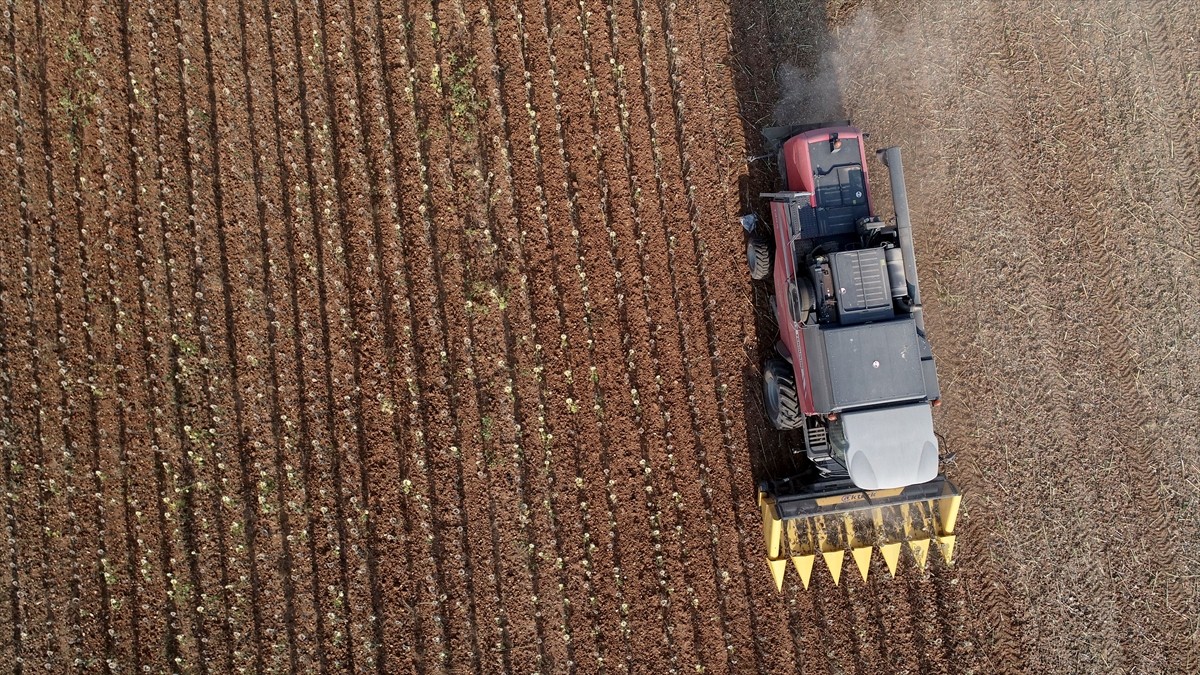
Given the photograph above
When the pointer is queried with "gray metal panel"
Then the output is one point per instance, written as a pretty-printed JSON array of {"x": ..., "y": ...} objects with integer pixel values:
[
  {"x": 869, "y": 364},
  {"x": 818, "y": 367},
  {"x": 812, "y": 223},
  {"x": 890, "y": 447},
  {"x": 932, "y": 389}
]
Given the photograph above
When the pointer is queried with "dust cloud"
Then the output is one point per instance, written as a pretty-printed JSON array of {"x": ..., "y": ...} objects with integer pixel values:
[{"x": 810, "y": 95}]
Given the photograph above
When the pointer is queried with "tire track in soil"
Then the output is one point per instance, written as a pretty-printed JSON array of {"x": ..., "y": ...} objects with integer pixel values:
[
  {"x": 315, "y": 185},
  {"x": 47, "y": 641},
  {"x": 272, "y": 467},
  {"x": 1169, "y": 24},
  {"x": 653, "y": 512},
  {"x": 476, "y": 522},
  {"x": 550, "y": 418},
  {"x": 96, "y": 349},
  {"x": 940, "y": 590},
  {"x": 938, "y": 596},
  {"x": 294, "y": 492},
  {"x": 178, "y": 645},
  {"x": 978, "y": 577},
  {"x": 1167, "y": 51},
  {"x": 964, "y": 632},
  {"x": 1181, "y": 90},
  {"x": 998, "y": 631},
  {"x": 1047, "y": 208},
  {"x": 127, "y": 592},
  {"x": 959, "y": 637},
  {"x": 64, "y": 272},
  {"x": 727, "y": 340},
  {"x": 240, "y": 129},
  {"x": 451, "y": 52}
]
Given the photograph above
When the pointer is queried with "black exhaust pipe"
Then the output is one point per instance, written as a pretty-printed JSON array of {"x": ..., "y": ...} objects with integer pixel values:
[{"x": 891, "y": 159}]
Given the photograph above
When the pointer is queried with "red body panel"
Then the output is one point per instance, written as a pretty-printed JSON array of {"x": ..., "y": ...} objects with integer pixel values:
[
  {"x": 798, "y": 166},
  {"x": 789, "y": 330}
]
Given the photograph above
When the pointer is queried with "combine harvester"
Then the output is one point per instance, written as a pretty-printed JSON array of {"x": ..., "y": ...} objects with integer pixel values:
[{"x": 854, "y": 371}]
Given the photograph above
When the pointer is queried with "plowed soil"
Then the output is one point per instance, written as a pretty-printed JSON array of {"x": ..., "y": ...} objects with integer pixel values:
[{"x": 416, "y": 336}]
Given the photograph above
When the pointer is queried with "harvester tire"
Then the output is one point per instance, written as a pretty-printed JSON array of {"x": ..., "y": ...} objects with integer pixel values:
[
  {"x": 779, "y": 395},
  {"x": 758, "y": 258}
]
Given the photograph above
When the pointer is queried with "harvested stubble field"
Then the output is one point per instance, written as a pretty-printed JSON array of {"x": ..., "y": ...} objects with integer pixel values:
[{"x": 415, "y": 336}]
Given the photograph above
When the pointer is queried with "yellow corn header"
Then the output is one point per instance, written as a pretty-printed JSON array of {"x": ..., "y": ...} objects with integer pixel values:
[{"x": 841, "y": 519}]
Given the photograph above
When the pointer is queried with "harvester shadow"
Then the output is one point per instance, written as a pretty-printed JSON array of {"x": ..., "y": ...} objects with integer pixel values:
[{"x": 782, "y": 77}]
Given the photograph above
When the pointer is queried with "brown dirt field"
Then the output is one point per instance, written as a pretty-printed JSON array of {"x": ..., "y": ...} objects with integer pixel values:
[{"x": 363, "y": 335}]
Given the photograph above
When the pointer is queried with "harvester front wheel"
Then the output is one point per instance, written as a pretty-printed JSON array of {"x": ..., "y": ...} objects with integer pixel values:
[
  {"x": 779, "y": 394},
  {"x": 758, "y": 258}
]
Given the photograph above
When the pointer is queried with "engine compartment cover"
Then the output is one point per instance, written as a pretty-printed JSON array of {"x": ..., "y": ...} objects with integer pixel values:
[
  {"x": 864, "y": 364},
  {"x": 863, "y": 288}
]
